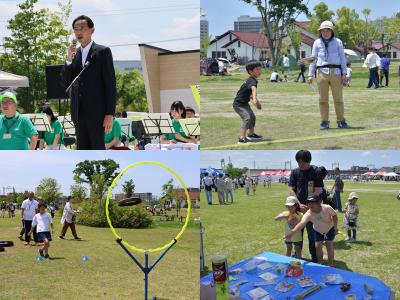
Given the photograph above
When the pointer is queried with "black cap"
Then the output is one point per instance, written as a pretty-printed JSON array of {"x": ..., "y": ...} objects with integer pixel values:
[{"x": 313, "y": 198}]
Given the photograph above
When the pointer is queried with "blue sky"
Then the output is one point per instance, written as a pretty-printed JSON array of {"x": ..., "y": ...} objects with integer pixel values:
[
  {"x": 123, "y": 21},
  {"x": 25, "y": 169},
  {"x": 222, "y": 13},
  {"x": 276, "y": 159}
]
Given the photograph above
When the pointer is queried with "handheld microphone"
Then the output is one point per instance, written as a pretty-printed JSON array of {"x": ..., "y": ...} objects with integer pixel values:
[{"x": 74, "y": 42}]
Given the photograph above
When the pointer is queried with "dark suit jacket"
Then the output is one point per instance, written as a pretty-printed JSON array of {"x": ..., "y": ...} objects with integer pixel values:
[{"x": 94, "y": 96}]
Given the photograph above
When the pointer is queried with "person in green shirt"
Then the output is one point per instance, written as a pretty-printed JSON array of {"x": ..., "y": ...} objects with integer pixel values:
[
  {"x": 54, "y": 138},
  {"x": 16, "y": 131},
  {"x": 113, "y": 138},
  {"x": 178, "y": 111}
]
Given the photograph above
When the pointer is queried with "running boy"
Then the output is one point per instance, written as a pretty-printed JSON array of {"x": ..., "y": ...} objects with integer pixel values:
[
  {"x": 241, "y": 103},
  {"x": 325, "y": 223},
  {"x": 43, "y": 222}
]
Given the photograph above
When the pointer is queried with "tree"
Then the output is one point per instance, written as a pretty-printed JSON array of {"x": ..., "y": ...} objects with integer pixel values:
[
  {"x": 347, "y": 23},
  {"x": 129, "y": 188},
  {"x": 98, "y": 188},
  {"x": 38, "y": 38},
  {"x": 204, "y": 44},
  {"x": 78, "y": 192},
  {"x": 295, "y": 39},
  {"x": 276, "y": 16},
  {"x": 94, "y": 172},
  {"x": 169, "y": 194},
  {"x": 322, "y": 13},
  {"x": 367, "y": 32},
  {"x": 131, "y": 92},
  {"x": 234, "y": 172},
  {"x": 48, "y": 190}
]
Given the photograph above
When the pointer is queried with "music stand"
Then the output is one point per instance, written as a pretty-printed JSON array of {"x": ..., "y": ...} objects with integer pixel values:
[
  {"x": 126, "y": 127},
  {"x": 40, "y": 121},
  {"x": 191, "y": 126},
  {"x": 157, "y": 124},
  {"x": 68, "y": 128}
]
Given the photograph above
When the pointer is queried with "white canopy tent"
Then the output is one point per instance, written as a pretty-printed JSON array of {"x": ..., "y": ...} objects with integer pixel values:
[
  {"x": 8, "y": 80},
  {"x": 391, "y": 174}
]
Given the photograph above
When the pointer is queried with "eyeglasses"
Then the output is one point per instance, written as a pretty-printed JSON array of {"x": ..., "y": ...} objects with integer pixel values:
[{"x": 80, "y": 28}]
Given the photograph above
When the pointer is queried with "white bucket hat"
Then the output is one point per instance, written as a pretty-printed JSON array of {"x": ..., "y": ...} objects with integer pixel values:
[
  {"x": 326, "y": 25},
  {"x": 291, "y": 200}
]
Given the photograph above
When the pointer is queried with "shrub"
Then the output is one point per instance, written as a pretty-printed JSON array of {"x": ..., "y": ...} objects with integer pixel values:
[{"x": 121, "y": 217}]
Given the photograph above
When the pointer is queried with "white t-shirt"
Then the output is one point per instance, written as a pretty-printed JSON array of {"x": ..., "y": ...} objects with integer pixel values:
[
  {"x": 349, "y": 72},
  {"x": 372, "y": 60},
  {"x": 29, "y": 207},
  {"x": 42, "y": 222},
  {"x": 274, "y": 76},
  {"x": 286, "y": 62},
  {"x": 68, "y": 213},
  {"x": 220, "y": 66}
]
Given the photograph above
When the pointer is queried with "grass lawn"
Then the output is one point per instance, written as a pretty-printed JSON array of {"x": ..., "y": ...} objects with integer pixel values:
[
  {"x": 247, "y": 228},
  {"x": 290, "y": 116},
  {"x": 109, "y": 273}
]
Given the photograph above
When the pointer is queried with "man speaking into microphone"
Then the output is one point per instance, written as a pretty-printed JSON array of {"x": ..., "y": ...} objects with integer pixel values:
[{"x": 93, "y": 94}]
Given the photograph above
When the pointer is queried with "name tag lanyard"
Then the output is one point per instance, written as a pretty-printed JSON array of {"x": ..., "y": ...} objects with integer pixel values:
[{"x": 11, "y": 126}]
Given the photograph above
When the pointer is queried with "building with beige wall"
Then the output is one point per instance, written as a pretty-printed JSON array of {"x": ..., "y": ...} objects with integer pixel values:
[{"x": 168, "y": 76}]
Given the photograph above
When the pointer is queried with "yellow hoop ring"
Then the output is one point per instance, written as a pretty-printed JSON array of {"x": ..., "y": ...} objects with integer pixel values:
[{"x": 108, "y": 202}]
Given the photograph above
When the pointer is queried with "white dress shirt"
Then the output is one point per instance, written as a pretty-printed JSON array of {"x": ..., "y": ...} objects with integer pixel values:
[{"x": 85, "y": 52}]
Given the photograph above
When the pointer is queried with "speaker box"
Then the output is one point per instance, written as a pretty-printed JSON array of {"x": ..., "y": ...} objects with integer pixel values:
[{"x": 53, "y": 83}]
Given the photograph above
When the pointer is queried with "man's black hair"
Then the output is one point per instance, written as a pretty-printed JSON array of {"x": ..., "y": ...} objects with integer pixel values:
[
  {"x": 252, "y": 64},
  {"x": 304, "y": 156},
  {"x": 321, "y": 172},
  {"x": 83, "y": 17}
]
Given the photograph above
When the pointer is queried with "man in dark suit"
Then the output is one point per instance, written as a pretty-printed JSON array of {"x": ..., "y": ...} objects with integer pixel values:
[{"x": 93, "y": 96}]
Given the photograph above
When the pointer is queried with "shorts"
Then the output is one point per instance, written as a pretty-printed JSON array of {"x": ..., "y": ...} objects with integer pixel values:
[
  {"x": 44, "y": 235},
  {"x": 297, "y": 244},
  {"x": 247, "y": 115},
  {"x": 330, "y": 236}
]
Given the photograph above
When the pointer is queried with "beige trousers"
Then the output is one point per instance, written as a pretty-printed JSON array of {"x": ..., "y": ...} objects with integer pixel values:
[{"x": 324, "y": 81}]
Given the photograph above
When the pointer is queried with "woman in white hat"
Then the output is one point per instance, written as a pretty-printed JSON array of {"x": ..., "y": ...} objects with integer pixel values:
[
  {"x": 350, "y": 219},
  {"x": 329, "y": 68}
]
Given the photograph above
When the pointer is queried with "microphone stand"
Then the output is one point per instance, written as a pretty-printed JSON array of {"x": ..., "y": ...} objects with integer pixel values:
[{"x": 68, "y": 92}]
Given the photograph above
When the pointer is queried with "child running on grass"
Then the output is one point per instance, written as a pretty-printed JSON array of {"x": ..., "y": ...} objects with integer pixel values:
[
  {"x": 325, "y": 220},
  {"x": 43, "y": 222},
  {"x": 241, "y": 103},
  {"x": 292, "y": 217},
  {"x": 350, "y": 219}
]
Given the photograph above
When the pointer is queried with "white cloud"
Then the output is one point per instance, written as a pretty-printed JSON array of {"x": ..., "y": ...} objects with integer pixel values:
[
  {"x": 183, "y": 27},
  {"x": 101, "y": 5},
  {"x": 366, "y": 153}
]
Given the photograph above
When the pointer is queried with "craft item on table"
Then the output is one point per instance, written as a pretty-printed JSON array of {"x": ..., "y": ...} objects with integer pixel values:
[
  {"x": 251, "y": 265},
  {"x": 231, "y": 278},
  {"x": 368, "y": 289},
  {"x": 333, "y": 278},
  {"x": 264, "y": 266},
  {"x": 257, "y": 293},
  {"x": 345, "y": 287},
  {"x": 266, "y": 282},
  {"x": 240, "y": 282},
  {"x": 350, "y": 297},
  {"x": 236, "y": 271},
  {"x": 279, "y": 268},
  {"x": 284, "y": 286},
  {"x": 294, "y": 269},
  {"x": 235, "y": 291},
  {"x": 268, "y": 276},
  {"x": 309, "y": 292},
  {"x": 305, "y": 281}
]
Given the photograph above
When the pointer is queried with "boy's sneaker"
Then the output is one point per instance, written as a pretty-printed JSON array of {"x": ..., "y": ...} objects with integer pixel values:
[
  {"x": 243, "y": 141},
  {"x": 353, "y": 240},
  {"x": 324, "y": 125},
  {"x": 47, "y": 256},
  {"x": 77, "y": 238},
  {"x": 254, "y": 137},
  {"x": 20, "y": 238},
  {"x": 61, "y": 237},
  {"x": 342, "y": 124},
  {"x": 348, "y": 239},
  {"x": 41, "y": 252}
]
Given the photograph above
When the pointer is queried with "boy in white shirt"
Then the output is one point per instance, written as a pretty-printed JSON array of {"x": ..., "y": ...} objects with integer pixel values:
[
  {"x": 325, "y": 221},
  {"x": 349, "y": 74},
  {"x": 43, "y": 222}
]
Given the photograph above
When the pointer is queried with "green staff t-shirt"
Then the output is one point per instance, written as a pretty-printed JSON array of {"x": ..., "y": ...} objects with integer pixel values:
[
  {"x": 56, "y": 128},
  {"x": 178, "y": 129},
  {"x": 15, "y": 132},
  {"x": 115, "y": 132}
]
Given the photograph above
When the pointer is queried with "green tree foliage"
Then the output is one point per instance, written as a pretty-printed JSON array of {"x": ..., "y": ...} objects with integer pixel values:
[
  {"x": 129, "y": 188},
  {"x": 347, "y": 23},
  {"x": 276, "y": 16},
  {"x": 131, "y": 92},
  {"x": 78, "y": 192},
  {"x": 204, "y": 44},
  {"x": 48, "y": 190},
  {"x": 321, "y": 13},
  {"x": 234, "y": 172},
  {"x": 38, "y": 38}
]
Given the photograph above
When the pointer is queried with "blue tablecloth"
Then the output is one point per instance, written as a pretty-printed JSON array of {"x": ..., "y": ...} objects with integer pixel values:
[{"x": 315, "y": 271}]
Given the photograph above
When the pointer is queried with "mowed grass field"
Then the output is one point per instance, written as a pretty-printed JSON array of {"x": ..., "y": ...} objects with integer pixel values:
[
  {"x": 109, "y": 273},
  {"x": 247, "y": 228},
  {"x": 290, "y": 116}
]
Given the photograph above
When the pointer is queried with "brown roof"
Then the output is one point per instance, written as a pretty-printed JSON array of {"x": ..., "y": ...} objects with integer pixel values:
[
  {"x": 303, "y": 24},
  {"x": 255, "y": 39},
  {"x": 307, "y": 40}
]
